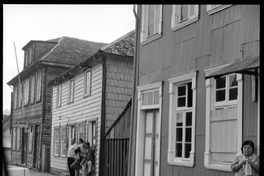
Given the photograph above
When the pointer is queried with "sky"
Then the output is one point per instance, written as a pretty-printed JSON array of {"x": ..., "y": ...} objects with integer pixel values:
[{"x": 22, "y": 23}]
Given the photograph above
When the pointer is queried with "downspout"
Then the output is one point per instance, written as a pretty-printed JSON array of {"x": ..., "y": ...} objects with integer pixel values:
[{"x": 133, "y": 122}]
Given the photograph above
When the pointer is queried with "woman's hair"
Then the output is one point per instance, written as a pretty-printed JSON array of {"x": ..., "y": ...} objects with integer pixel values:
[{"x": 248, "y": 142}]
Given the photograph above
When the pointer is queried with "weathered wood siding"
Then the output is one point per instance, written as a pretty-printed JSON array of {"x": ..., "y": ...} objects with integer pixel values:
[
  {"x": 212, "y": 40},
  {"x": 80, "y": 110},
  {"x": 119, "y": 84}
]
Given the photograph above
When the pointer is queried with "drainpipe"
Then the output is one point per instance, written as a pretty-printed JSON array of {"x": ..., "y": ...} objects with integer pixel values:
[{"x": 133, "y": 122}]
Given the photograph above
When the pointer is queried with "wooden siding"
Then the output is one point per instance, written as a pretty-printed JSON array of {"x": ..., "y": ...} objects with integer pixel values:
[
  {"x": 82, "y": 108},
  {"x": 213, "y": 40},
  {"x": 119, "y": 84}
]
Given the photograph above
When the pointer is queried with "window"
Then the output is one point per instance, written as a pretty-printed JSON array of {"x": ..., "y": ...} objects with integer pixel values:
[
  {"x": 92, "y": 132},
  {"x": 71, "y": 91},
  {"x": 18, "y": 140},
  {"x": 14, "y": 138},
  {"x": 58, "y": 95},
  {"x": 63, "y": 141},
  {"x": 30, "y": 142},
  {"x": 216, "y": 8},
  {"x": 81, "y": 131},
  {"x": 182, "y": 120},
  {"x": 38, "y": 86},
  {"x": 32, "y": 89},
  {"x": 223, "y": 120},
  {"x": 28, "y": 56},
  {"x": 26, "y": 91},
  {"x": 87, "y": 83},
  {"x": 150, "y": 98},
  {"x": 15, "y": 97},
  {"x": 19, "y": 95},
  {"x": 151, "y": 21},
  {"x": 56, "y": 141},
  {"x": 183, "y": 15}
]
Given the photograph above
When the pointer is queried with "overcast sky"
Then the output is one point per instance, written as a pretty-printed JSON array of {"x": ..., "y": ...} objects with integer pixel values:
[{"x": 22, "y": 23}]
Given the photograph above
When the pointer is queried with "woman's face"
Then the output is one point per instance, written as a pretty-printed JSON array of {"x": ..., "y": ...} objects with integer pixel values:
[{"x": 247, "y": 150}]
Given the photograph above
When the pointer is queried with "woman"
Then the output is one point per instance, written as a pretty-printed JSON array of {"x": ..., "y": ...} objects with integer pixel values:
[
  {"x": 71, "y": 155},
  {"x": 246, "y": 163}
]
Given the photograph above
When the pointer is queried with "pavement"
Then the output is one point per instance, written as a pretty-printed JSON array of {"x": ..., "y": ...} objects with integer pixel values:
[
  {"x": 23, "y": 171},
  {"x": 37, "y": 173}
]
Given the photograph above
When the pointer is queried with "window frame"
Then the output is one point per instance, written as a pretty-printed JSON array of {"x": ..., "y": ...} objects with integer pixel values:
[
  {"x": 210, "y": 86},
  {"x": 211, "y": 9},
  {"x": 145, "y": 38},
  {"x": 176, "y": 12},
  {"x": 58, "y": 95},
  {"x": 71, "y": 90},
  {"x": 173, "y": 83},
  {"x": 26, "y": 92},
  {"x": 92, "y": 132},
  {"x": 63, "y": 139},
  {"x": 56, "y": 141},
  {"x": 87, "y": 88}
]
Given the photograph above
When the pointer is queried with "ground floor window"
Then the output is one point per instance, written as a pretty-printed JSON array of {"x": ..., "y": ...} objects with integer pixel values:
[{"x": 56, "y": 141}]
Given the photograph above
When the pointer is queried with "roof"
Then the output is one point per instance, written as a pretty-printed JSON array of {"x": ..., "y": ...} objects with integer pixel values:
[
  {"x": 68, "y": 51},
  {"x": 123, "y": 46},
  {"x": 239, "y": 66}
]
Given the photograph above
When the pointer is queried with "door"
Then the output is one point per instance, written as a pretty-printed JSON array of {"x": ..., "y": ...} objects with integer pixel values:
[
  {"x": 151, "y": 139},
  {"x": 24, "y": 146},
  {"x": 36, "y": 146}
]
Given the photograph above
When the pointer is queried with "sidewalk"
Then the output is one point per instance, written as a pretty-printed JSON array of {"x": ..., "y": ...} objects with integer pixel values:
[{"x": 37, "y": 173}]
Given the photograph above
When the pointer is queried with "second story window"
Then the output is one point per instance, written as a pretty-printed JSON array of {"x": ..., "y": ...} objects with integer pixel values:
[
  {"x": 15, "y": 97},
  {"x": 19, "y": 96},
  {"x": 151, "y": 21},
  {"x": 32, "y": 89},
  {"x": 28, "y": 56},
  {"x": 87, "y": 83},
  {"x": 39, "y": 86},
  {"x": 58, "y": 96},
  {"x": 71, "y": 91},
  {"x": 183, "y": 15},
  {"x": 26, "y": 91}
]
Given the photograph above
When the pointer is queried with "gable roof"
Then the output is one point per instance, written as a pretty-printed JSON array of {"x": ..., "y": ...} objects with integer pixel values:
[{"x": 123, "y": 46}]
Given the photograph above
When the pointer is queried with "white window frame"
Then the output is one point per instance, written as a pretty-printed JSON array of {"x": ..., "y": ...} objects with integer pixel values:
[
  {"x": 221, "y": 166},
  {"x": 58, "y": 95},
  {"x": 56, "y": 141},
  {"x": 87, "y": 82},
  {"x": 32, "y": 89},
  {"x": 26, "y": 92},
  {"x": 211, "y": 9},
  {"x": 157, "y": 24},
  {"x": 39, "y": 86},
  {"x": 140, "y": 126},
  {"x": 172, "y": 160},
  {"x": 71, "y": 91},
  {"x": 175, "y": 18},
  {"x": 63, "y": 141}
]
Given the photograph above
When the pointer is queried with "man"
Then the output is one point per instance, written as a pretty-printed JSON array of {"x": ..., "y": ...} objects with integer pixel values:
[
  {"x": 89, "y": 157},
  {"x": 70, "y": 156}
]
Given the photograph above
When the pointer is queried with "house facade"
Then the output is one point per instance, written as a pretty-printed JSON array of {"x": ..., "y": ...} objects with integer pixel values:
[
  {"x": 31, "y": 102},
  {"x": 197, "y": 96},
  {"x": 88, "y": 98}
]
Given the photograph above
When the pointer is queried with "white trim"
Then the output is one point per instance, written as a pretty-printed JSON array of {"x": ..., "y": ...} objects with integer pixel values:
[
  {"x": 171, "y": 159},
  {"x": 140, "y": 126},
  {"x": 209, "y": 101}
]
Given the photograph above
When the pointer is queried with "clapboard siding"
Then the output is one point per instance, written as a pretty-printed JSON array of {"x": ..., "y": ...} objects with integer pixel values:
[{"x": 81, "y": 109}]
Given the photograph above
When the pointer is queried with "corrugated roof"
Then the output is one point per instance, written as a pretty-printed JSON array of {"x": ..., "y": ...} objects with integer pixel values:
[{"x": 238, "y": 66}]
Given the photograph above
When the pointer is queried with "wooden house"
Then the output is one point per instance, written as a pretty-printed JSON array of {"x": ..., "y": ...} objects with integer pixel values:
[
  {"x": 197, "y": 96},
  {"x": 31, "y": 112},
  {"x": 88, "y": 98}
]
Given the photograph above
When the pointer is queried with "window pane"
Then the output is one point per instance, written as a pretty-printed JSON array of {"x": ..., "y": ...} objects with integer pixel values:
[
  {"x": 184, "y": 12},
  {"x": 189, "y": 119},
  {"x": 181, "y": 90},
  {"x": 150, "y": 29},
  {"x": 181, "y": 102},
  {"x": 150, "y": 98},
  {"x": 188, "y": 148},
  {"x": 145, "y": 100},
  {"x": 178, "y": 150},
  {"x": 179, "y": 119},
  {"x": 220, "y": 83},
  {"x": 233, "y": 94},
  {"x": 179, "y": 134},
  {"x": 220, "y": 95},
  {"x": 156, "y": 97},
  {"x": 188, "y": 135},
  {"x": 232, "y": 81},
  {"x": 189, "y": 94}
]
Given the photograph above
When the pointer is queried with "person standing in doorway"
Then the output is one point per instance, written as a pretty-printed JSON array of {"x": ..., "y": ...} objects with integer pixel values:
[{"x": 71, "y": 155}]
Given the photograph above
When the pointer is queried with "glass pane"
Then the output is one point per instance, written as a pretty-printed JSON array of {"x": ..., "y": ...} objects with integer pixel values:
[
  {"x": 179, "y": 134},
  {"x": 184, "y": 12},
  {"x": 150, "y": 29},
  {"x": 190, "y": 94},
  {"x": 144, "y": 99},
  {"x": 182, "y": 91},
  {"x": 179, "y": 118},
  {"x": 188, "y": 148},
  {"x": 150, "y": 98},
  {"x": 232, "y": 81},
  {"x": 221, "y": 83},
  {"x": 178, "y": 150},
  {"x": 188, "y": 135},
  {"x": 233, "y": 94},
  {"x": 156, "y": 97},
  {"x": 220, "y": 95},
  {"x": 188, "y": 118},
  {"x": 181, "y": 102}
]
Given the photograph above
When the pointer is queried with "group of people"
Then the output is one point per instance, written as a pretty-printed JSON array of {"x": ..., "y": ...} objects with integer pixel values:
[{"x": 80, "y": 157}]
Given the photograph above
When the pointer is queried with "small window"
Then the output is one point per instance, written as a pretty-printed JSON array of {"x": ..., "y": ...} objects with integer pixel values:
[
  {"x": 19, "y": 95},
  {"x": 183, "y": 15},
  {"x": 87, "y": 83},
  {"x": 58, "y": 95},
  {"x": 26, "y": 92},
  {"x": 56, "y": 141},
  {"x": 150, "y": 98},
  {"x": 81, "y": 131},
  {"x": 39, "y": 86},
  {"x": 63, "y": 141},
  {"x": 32, "y": 90},
  {"x": 71, "y": 91},
  {"x": 92, "y": 132}
]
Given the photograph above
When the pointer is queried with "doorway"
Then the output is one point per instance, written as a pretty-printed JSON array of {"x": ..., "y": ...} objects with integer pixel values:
[
  {"x": 36, "y": 146},
  {"x": 24, "y": 146}
]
